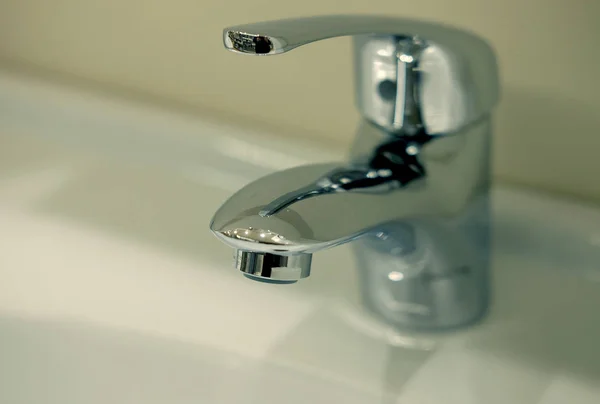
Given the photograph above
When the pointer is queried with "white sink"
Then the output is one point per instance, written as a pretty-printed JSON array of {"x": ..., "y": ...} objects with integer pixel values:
[{"x": 112, "y": 289}]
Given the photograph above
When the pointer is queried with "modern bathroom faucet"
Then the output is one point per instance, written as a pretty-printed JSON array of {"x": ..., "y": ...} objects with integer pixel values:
[{"x": 413, "y": 196}]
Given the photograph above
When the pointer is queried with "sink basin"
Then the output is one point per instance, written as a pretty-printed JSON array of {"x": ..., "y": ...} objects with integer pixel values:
[
  {"x": 67, "y": 362},
  {"x": 112, "y": 289}
]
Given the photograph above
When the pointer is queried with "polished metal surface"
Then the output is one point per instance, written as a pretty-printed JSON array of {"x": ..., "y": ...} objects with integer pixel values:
[
  {"x": 402, "y": 67},
  {"x": 413, "y": 195},
  {"x": 273, "y": 268}
]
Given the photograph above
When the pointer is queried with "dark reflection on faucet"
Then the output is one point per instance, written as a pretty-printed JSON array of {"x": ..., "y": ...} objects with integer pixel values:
[
  {"x": 253, "y": 44},
  {"x": 393, "y": 164}
]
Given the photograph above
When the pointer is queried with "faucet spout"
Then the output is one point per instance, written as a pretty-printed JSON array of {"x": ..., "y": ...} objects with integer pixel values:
[
  {"x": 308, "y": 208},
  {"x": 277, "y": 222}
]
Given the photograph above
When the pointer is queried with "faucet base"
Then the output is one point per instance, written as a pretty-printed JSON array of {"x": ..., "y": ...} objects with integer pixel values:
[{"x": 427, "y": 275}]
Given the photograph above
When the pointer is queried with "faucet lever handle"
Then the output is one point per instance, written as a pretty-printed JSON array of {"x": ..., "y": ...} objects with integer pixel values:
[
  {"x": 279, "y": 36},
  {"x": 410, "y": 75}
]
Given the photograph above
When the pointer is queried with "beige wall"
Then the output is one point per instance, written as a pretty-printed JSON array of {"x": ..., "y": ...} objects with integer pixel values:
[{"x": 548, "y": 125}]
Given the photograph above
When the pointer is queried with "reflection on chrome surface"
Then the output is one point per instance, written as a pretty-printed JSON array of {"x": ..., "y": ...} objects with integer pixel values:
[
  {"x": 393, "y": 164},
  {"x": 413, "y": 196}
]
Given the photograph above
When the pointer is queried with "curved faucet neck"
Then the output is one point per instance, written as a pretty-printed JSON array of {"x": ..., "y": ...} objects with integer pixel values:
[{"x": 313, "y": 207}]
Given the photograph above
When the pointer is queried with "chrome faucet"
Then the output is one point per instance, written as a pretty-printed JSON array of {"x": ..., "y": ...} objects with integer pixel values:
[{"x": 412, "y": 197}]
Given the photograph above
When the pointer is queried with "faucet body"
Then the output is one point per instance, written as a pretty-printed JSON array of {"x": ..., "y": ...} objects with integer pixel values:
[
  {"x": 429, "y": 269},
  {"x": 413, "y": 196}
]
